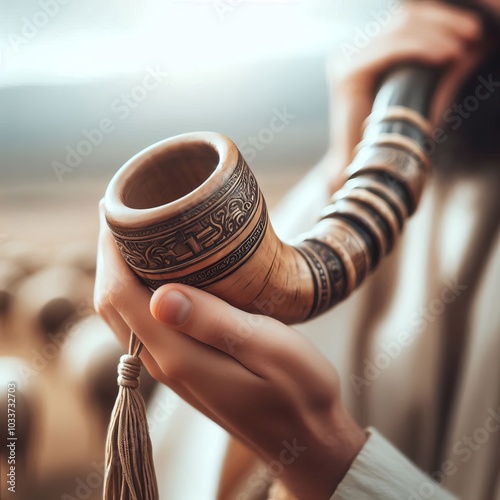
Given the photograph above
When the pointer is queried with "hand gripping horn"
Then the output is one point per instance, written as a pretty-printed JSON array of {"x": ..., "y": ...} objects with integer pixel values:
[{"x": 189, "y": 210}]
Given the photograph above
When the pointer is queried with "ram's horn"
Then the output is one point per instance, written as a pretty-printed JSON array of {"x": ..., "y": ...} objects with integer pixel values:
[{"x": 189, "y": 210}]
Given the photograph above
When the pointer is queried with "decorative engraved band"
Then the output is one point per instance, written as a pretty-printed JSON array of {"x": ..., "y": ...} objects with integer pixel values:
[{"x": 364, "y": 218}]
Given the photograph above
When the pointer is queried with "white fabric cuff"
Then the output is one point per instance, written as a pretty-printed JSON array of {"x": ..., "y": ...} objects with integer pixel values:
[{"x": 381, "y": 472}]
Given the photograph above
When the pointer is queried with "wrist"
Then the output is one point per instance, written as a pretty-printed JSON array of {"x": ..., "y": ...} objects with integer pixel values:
[{"x": 328, "y": 456}]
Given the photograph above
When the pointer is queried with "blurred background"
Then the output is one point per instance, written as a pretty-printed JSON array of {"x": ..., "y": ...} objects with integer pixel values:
[{"x": 84, "y": 85}]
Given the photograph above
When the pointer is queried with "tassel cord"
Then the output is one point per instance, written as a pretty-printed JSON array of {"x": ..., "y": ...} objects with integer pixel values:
[{"x": 129, "y": 473}]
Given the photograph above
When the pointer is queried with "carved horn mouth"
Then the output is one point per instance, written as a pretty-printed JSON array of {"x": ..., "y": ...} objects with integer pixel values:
[{"x": 168, "y": 177}]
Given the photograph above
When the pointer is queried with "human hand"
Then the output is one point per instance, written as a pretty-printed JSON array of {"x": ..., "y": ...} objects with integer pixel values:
[
  {"x": 425, "y": 32},
  {"x": 257, "y": 378}
]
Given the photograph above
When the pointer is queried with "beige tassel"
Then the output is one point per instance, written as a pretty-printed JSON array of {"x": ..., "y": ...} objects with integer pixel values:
[{"x": 130, "y": 472}]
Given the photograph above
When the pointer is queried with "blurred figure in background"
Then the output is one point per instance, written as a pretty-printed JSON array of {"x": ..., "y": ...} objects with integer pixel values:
[{"x": 416, "y": 349}]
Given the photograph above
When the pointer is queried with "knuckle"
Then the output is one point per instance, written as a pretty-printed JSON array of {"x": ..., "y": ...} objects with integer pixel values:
[
  {"x": 156, "y": 373},
  {"x": 216, "y": 324},
  {"x": 102, "y": 304},
  {"x": 109, "y": 293},
  {"x": 472, "y": 28},
  {"x": 116, "y": 297}
]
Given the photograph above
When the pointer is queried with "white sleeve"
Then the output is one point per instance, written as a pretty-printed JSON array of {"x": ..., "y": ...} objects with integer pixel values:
[{"x": 381, "y": 472}]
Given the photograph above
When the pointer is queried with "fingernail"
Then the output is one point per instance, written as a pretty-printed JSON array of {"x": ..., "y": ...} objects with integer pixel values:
[{"x": 174, "y": 308}]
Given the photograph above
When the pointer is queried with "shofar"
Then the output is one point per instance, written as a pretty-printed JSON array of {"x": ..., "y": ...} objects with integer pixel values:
[{"x": 189, "y": 210}]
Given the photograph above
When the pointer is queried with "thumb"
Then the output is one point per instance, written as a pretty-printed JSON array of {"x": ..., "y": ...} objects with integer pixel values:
[{"x": 208, "y": 319}]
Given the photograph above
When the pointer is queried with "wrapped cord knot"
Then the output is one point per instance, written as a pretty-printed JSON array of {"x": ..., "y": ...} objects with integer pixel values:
[{"x": 129, "y": 371}]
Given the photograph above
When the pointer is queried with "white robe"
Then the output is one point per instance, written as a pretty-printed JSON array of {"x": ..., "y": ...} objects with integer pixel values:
[{"x": 391, "y": 342}]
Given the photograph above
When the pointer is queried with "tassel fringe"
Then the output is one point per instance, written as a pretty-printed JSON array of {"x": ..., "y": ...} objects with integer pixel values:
[{"x": 130, "y": 472}]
